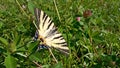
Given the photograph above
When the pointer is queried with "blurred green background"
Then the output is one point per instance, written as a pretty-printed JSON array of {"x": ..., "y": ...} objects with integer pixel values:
[{"x": 90, "y": 27}]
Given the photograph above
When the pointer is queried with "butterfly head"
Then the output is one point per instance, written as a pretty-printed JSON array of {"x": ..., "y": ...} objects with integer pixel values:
[{"x": 42, "y": 39}]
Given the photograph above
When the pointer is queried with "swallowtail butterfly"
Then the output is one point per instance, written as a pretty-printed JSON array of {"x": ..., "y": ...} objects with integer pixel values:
[{"x": 48, "y": 34}]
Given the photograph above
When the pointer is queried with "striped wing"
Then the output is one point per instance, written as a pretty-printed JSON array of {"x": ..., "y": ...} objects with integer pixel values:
[{"x": 48, "y": 33}]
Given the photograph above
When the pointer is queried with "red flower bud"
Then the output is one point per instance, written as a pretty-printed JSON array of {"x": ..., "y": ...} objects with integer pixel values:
[
  {"x": 78, "y": 18},
  {"x": 87, "y": 13}
]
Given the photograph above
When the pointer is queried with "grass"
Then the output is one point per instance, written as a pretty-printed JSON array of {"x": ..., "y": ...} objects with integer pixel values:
[{"x": 94, "y": 41}]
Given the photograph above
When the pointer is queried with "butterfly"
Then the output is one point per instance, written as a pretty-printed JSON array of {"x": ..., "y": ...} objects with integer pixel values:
[{"x": 47, "y": 32}]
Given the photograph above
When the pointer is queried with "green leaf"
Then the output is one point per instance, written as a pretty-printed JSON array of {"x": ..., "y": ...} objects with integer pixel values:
[
  {"x": 4, "y": 41},
  {"x": 46, "y": 66},
  {"x": 12, "y": 47},
  {"x": 31, "y": 7},
  {"x": 17, "y": 39},
  {"x": 35, "y": 57},
  {"x": 2, "y": 50},
  {"x": 58, "y": 65},
  {"x": 1, "y": 25},
  {"x": 21, "y": 28},
  {"x": 10, "y": 62},
  {"x": 32, "y": 46}
]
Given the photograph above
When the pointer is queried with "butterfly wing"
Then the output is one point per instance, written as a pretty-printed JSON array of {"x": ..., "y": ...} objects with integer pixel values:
[{"x": 48, "y": 32}]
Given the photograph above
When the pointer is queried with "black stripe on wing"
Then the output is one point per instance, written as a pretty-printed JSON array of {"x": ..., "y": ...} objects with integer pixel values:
[
  {"x": 59, "y": 37},
  {"x": 65, "y": 51},
  {"x": 37, "y": 15},
  {"x": 43, "y": 15},
  {"x": 52, "y": 32},
  {"x": 64, "y": 44},
  {"x": 45, "y": 18},
  {"x": 50, "y": 23}
]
